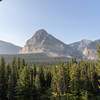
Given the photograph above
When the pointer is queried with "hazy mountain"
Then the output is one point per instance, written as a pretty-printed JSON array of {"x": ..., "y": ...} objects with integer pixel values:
[
  {"x": 42, "y": 42},
  {"x": 87, "y": 47},
  {"x": 46, "y": 44},
  {"x": 8, "y": 48},
  {"x": 90, "y": 51},
  {"x": 81, "y": 45}
]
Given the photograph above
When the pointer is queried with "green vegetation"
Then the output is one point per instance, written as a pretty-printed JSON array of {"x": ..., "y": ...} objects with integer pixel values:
[
  {"x": 74, "y": 80},
  {"x": 36, "y": 59}
]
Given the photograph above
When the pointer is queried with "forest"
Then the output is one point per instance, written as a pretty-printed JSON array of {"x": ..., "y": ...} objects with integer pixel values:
[{"x": 74, "y": 80}]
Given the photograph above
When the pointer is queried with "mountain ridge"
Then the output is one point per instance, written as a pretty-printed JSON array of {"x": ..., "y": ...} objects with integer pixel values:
[
  {"x": 43, "y": 42},
  {"x": 8, "y": 48},
  {"x": 83, "y": 49}
]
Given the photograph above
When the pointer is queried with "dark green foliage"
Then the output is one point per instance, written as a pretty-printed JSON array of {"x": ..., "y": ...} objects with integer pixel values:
[
  {"x": 42, "y": 77},
  {"x": 48, "y": 79},
  {"x": 3, "y": 84},
  {"x": 98, "y": 51},
  {"x": 18, "y": 81},
  {"x": 37, "y": 59}
]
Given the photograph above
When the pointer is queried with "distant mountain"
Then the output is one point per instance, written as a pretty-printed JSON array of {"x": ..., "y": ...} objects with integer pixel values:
[
  {"x": 46, "y": 45},
  {"x": 8, "y": 48},
  {"x": 90, "y": 51},
  {"x": 81, "y": 45},
  {"x": 87, "y": 47},
  {"x": 42, "y": 42}
]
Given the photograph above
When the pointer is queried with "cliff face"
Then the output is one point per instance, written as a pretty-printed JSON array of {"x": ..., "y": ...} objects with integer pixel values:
[
  {"x": 42, "y": 42},
  {"x": 87, "y": 47}
]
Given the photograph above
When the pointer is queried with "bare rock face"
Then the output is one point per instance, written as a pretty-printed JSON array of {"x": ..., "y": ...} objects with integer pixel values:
[
  {"x": 90, "y": 53},
  {"x": 88, "y": 48},
  {"x": 42, "y": 42},
  {"x": 92, "y": 49},
  {"x": 81, "y": 45}
]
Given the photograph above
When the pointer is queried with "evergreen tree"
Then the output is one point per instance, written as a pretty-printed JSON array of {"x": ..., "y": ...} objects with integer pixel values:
[
  {"x": 48, "y": 79},
  {"x": 25, "y": 86},
  {"x": 19, "y": 63},
  {"x": 11, "y": 88},
  {"x": 62, "y": 79},
  {"x": 13, "y": 79},
  {"x": 67, "y": 77},
  {"x": 41, "y": 77},
  {"x": 34, "y": 72},
  {"x": 98, "y": 51},
  {"x": 3, "y": 85}
]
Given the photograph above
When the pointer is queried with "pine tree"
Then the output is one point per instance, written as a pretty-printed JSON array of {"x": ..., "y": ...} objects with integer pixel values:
[
  {"x": 41, "y": 77},
  {"x": 54, "y": 83},
  {"x": 3, "y": 85},
  {"x": 48, "y": 79},
  {"x": 22, "y": 64},
  {"x": 11, "y": 88},
  {"x": 67, "y": 78},
  {"x": 98, "y": 61},
  {"x": 19, "y": 63},
  {"x": 76, "y": 81},
  {"x": 25, "y": 86},
  {"x": 98, "y": 51},
  {"x": 62, "y": 79},
  {"x": 37, "y": 82},
  {"x": 7, "y": 70},
  {"x": 13, "y": 79},
  {"x": 34, "y": 72}
]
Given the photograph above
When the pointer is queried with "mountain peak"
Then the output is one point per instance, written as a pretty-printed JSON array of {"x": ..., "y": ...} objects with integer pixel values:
[
  {"x": 42, "y": 42},
  {"x": 39, "y": 36},
  {"x": 41, "y": 32}
]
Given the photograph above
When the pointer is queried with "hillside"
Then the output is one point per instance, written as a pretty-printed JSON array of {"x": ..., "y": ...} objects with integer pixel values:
[
  {"x": 42, "y": 42},
  {"x": 8, "y": 48}
]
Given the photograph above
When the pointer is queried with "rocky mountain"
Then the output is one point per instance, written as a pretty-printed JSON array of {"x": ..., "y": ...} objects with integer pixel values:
[
  {"x": 87, "y": 48},
  {"x": 46, "y": 44},
  {"x": 8, "y": 48},
  {"x": 90, "y": 51},
  {"x": 81, "y": 45},
  {"x": 42, "y": 42}
]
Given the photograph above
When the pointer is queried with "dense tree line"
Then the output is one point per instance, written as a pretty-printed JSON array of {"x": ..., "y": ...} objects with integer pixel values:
[{"x": 76, "y": 79}]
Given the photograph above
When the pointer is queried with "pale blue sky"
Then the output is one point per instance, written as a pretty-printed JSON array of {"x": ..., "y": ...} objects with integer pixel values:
[{"x": 67, "y": 20}]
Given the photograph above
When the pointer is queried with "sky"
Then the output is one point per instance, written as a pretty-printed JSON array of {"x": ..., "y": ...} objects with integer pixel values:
[{"x": 67, "y": 20}]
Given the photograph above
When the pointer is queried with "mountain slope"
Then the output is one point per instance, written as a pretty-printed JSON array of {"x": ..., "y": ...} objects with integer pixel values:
[
  {"x": 46, "y": 44},
  {"x": 87, "y": 47},
  {"x": 81, "y": 45},
  {"x": 8, "y": 48},
  {"x": 42, "y": 42},
  {"x": 90, "y": 51}
]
